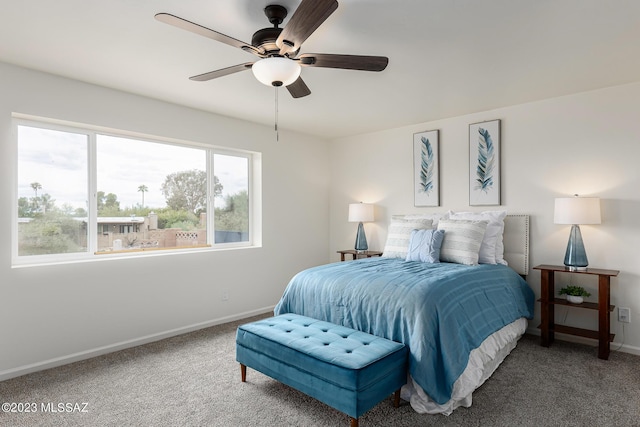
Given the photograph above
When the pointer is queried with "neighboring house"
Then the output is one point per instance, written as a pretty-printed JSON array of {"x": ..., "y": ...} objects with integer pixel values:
[{"x": 122, "y": 224}]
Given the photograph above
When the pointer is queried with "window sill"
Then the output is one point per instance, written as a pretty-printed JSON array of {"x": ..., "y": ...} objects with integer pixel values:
[{"x": 173, "y": 248}]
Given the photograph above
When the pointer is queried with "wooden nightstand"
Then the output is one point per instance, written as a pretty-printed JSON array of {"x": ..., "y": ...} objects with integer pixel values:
[
  {"x": 548, "y": 301},
  {"x": 358, "y": 254}
]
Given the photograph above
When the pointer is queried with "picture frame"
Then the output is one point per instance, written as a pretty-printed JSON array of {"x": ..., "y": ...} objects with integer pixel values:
[
  {"x": 426, "y": 168},
  {"x": 484, "y": 163}
]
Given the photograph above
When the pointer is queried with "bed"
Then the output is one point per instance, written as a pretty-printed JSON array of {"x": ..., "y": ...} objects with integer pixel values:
[{"x": 459, "y": 321}]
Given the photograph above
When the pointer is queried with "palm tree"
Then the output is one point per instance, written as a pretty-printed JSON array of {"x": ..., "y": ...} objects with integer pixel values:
[
  {"x": 36, "y": 186},
  {"x": 36, "y": 200},
  {"x": 143, "y": 188}
]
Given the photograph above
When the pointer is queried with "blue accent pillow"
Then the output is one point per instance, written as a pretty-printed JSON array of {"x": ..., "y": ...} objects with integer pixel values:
[{"x": 424, "y": 245}]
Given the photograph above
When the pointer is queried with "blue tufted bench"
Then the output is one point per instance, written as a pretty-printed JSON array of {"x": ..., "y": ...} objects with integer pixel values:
[{"x": 349, "y": 370}]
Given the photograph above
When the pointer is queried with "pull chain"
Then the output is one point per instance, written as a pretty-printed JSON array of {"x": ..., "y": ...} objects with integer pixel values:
[{"x": 276, "y": 114}]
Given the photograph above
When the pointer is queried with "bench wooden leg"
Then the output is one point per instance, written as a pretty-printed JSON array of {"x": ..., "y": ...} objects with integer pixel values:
[
  {"x": 243, "y": 372},
  {"x": 354, "y": 422},
  {"x": 396, "y": 399}
]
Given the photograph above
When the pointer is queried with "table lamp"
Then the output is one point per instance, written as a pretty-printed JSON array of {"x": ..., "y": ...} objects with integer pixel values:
[
  {"x": 361, "y": 212},
  {"x": 575, "y": 211}
]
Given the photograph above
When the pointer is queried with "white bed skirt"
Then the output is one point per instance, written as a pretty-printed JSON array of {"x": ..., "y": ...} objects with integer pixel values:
[{"x": 483, "y": 361}]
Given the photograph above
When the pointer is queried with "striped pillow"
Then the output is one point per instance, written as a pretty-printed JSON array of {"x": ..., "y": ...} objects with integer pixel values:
[
  {"x": 399, "y": 235},
  {"x": 492, "y": 248},
  {"x": 462, "y": 240}
]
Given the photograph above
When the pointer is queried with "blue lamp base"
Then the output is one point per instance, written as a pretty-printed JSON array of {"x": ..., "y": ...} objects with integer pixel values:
[
  {"x": 575, "y": 258},
  {"x": 361, "y": 239}
]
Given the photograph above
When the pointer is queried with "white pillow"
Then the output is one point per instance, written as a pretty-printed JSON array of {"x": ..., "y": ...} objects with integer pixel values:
[
  {"x": 462, "y": 240},
  {"x": 435, "y": 217},
  {"x": 399, "y": 234},
  {"x": 492, "y": 249}
]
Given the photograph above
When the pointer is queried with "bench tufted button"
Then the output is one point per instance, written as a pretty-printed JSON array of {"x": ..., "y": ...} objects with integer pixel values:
[
  {"x": 324, "y": 330},
  {"x": 307, "y": 336},
  {"x": 349, "y": 351},
  {"x": 288, "y": 331},
  {"x": 365, "y": 343},
  {"x": 326, "y": 343}
]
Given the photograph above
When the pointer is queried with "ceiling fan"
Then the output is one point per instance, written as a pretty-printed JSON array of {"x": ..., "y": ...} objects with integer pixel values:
[{"x": 279, "y": 48}]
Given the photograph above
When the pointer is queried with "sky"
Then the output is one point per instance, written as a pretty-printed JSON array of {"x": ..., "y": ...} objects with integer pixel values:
[{"x": 59, "y": 161}]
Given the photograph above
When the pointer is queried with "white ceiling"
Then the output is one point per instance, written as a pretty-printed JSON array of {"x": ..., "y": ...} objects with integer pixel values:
[{"x": 446, "y": 57}]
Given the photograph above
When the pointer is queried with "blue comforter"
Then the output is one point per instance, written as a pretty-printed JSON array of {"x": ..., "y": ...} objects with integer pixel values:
[{"x": 440, "y": 311}]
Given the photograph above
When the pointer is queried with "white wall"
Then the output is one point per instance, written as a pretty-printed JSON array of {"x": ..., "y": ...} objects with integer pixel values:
[
  {"x": 586, "y": 143},
  {"x": 53, "y": 314}
]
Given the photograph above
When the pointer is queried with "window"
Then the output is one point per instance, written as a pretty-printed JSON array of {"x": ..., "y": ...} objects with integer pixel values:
[
  {"x": 149, "y": 193},
  {"x": 84, "y": 193},
  {"x": 52, "y": 221},
  {"x": 231, "y": 199}
]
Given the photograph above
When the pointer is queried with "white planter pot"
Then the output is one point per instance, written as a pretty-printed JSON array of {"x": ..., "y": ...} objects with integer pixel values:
[{"x": 573, "y": 299}]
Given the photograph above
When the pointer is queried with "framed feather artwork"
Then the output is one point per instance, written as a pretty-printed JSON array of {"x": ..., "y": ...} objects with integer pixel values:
[
  {"x": 484, "y": 163},
  {"x": 426, "y": 170}
]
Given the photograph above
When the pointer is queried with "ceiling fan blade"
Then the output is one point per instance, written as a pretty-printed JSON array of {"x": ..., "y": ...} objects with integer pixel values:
[
  {"x": 346, "y": 62},
  {"x": 222, "y": 72},
  {"x": 305, "y": 20},
  {"x": 298, "y": 89},
  {"x": 207, "y": 32}
]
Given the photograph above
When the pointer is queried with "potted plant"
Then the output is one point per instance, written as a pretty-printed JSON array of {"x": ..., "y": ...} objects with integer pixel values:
[{"x": 574, "y": 294}]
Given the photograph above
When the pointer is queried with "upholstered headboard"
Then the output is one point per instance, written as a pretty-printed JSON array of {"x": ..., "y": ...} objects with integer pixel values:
[{"x": 516, "y": 242}]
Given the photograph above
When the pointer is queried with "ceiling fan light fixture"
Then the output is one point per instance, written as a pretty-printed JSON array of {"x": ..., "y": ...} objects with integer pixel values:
[{"x": 276, "y": 71}]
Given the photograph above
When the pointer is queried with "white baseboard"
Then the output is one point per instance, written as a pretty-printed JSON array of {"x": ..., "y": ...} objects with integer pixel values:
[
  {"x": 615, "y": 346},
  {"x": 88, "y": 354}
]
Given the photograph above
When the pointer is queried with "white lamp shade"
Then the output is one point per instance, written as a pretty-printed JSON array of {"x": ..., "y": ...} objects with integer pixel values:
[
  {"x": 577, "y": 210},
  {"x": 360, "y": 212},
  {"x": 276, "y": 69}
]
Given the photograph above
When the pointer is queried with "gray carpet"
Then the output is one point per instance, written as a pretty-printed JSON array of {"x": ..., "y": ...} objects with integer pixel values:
[{"x": 193, "y": 380}]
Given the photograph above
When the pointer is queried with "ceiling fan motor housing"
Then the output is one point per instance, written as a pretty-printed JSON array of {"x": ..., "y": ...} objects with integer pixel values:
[{"x": 266, "y": 39}]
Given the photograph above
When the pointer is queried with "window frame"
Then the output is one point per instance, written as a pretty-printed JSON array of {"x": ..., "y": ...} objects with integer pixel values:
[{"x": 91, "y": 254}]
